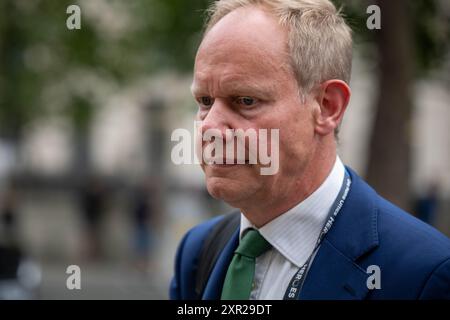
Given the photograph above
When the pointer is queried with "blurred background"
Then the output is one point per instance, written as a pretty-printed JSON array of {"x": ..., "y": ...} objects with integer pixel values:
[{"x": 86, "y": 118}]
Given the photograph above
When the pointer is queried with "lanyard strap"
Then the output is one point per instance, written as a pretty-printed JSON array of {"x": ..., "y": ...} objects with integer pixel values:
[{"x": 298, "y": 279}]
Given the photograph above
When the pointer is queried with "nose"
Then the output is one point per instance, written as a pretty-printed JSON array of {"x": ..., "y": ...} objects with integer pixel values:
[{"x": 219, "y": 118}]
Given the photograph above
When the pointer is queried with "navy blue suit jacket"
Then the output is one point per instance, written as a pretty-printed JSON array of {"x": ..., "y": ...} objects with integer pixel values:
[{"x": 414, "y": 258}]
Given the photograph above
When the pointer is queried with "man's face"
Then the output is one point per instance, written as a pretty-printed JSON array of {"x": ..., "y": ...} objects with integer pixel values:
[{"x": 243, "y": 80}]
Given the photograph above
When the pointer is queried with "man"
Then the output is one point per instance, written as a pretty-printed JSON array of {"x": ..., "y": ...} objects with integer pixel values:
[{"x": 314, "y": 229}]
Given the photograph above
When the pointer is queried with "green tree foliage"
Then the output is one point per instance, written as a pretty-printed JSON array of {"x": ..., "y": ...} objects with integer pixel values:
[{"x": 37, "y": 50}]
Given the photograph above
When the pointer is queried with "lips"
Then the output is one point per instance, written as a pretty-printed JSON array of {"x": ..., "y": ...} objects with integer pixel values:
[{"x": 227, "y": 163}]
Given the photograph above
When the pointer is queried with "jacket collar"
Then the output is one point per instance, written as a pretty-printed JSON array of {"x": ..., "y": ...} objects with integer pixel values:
[{"x": 334, "y": 273}]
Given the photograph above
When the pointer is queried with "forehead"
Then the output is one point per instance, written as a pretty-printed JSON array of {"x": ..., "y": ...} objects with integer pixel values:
[{"x": 247, "y": 42}]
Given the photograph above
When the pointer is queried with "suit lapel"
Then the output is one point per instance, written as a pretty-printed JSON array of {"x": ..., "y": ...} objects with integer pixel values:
[
  {"x": 213, "y": 289},
  {"x": 334, "y": 273}
]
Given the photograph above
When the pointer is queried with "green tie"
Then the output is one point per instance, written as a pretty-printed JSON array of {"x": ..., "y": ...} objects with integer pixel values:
[{"x": 239, "y": 278}]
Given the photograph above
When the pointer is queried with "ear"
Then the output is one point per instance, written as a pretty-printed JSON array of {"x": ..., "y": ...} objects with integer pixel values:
[{"x": 332, "y": 98}]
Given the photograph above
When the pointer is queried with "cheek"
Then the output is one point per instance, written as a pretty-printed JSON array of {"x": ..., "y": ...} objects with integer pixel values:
[{"x": 296, "y": 133}]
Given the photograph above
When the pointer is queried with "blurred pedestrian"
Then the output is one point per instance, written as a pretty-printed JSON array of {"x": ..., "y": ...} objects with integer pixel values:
[
  {"x": 8, "y": 215},
  {"x": 143, "y": 214},
  {"x": 426, "y": 206},
  {"x": 93, "y": 203}
]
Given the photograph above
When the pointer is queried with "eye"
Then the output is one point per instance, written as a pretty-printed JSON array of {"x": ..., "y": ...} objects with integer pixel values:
[
  {"x": 246, "y": 101},
  {"x": 206, "y": 101}
]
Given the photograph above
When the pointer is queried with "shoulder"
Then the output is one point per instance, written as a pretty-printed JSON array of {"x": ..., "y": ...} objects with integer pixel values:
[
  {"x": 187, "y": 258},
  {"x": 393, "y": 228},
  {"x": 421, "y": 252},
  {"x": 404, "y": 232},
  {"x": 195, "y": 237},
  {"x": 413, "y": 256}
]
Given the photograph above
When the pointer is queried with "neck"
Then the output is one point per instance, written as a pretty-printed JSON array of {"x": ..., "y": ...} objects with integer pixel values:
[{"x": 292, "y": 192}]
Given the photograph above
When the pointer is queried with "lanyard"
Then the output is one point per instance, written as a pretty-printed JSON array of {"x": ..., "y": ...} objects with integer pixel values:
[{"x": 296, "y": 282}]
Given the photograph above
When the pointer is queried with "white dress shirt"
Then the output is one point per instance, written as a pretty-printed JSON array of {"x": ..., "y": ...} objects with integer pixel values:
[{"x": 293, "y": 236}]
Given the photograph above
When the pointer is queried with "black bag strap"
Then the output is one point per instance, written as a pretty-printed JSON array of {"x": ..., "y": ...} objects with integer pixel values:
[{"x": 213, "y": 246}]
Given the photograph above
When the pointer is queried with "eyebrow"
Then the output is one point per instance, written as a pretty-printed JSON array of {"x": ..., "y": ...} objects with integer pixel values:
[
  {"x": 240, "y": 87},
  {"x": 195, "y": 88}
]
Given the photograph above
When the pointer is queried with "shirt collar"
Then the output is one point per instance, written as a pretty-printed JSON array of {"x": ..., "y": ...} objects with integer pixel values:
[{"x": 295, "y": 232}]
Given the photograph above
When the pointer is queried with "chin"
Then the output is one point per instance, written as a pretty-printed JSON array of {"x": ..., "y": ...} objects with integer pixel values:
[{"x": 232, "y": 192}]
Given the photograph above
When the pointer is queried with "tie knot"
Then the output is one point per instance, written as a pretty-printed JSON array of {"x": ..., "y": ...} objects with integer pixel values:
[{"x": 252, "y": 244}]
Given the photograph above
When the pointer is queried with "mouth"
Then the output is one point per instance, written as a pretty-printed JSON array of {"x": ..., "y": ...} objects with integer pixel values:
[
  {"x": 225, "y": 161},
  {"x": 230, "y": 163}
]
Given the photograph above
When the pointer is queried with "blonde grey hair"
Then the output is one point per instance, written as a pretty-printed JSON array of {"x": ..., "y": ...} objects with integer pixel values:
[{"x": 319, "y": 40}]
